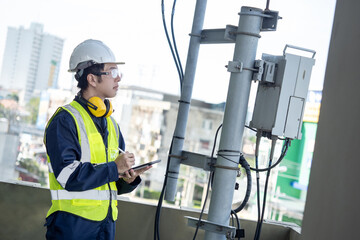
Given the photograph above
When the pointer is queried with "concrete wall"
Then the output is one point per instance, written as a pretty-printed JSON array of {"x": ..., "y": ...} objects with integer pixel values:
[
  {"x": 332, "y": 208},
  {"x": 8, "y": 154},
  {"x": 23, "y": 210}
]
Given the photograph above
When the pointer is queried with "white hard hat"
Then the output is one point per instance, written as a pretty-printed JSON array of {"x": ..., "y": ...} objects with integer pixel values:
[{"x": 90, "y": 52}]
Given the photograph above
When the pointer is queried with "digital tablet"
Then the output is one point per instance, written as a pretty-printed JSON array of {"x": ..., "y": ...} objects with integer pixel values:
[{"x": 144, "y": 165}]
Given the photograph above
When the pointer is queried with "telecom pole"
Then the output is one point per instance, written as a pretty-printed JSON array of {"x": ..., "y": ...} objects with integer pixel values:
[
  {"x": 234, "y": 118},
  {"x": 184, "y": 102}
]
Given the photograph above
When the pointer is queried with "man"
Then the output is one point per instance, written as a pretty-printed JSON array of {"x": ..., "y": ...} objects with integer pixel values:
[{"x": 86, "y": 168}]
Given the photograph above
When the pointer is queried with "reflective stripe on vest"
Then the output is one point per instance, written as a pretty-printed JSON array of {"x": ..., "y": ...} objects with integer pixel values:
[
  {"x": 91, "y": 204},
  {"x": 66, "y": 172},
  {"x": 84, "y": 141},
  {"x": 89, "y": 194}
]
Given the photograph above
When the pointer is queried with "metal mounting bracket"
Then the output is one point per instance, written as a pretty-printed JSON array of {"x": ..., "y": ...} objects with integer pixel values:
[
  {"x": 228, "y": 231},
  {"x": 266, "y": 71},
  {"x": 234, "y": 66},
  {"x": 197, "y": 160},
  {"x": 216, "y": 36},
  {"x": 270, "y": 20}
]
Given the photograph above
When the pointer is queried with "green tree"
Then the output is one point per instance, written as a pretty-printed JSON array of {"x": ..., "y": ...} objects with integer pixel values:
[
  {"x": 13, "y": 96},
  {"x": 33, "y": 108}
]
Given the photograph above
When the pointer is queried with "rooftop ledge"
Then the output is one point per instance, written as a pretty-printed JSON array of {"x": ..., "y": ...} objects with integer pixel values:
[{"x": 26, "y": 204}]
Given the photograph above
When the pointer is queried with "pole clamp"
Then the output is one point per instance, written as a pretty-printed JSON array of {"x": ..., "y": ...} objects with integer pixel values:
[{"x": 234, "y": 66}]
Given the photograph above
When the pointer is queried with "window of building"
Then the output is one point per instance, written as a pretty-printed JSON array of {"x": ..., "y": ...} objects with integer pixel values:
[
  {"x": 205, "y": 144},
  {"x": 207, "y": 124}
]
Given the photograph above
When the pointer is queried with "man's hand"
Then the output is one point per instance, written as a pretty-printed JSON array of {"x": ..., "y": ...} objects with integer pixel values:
[
  {"x": 130, "y": 175},
  {"x": 124, "y": 162}
]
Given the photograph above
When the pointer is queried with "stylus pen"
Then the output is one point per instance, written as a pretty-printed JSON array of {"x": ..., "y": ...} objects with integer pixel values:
[{"x": 122, "y": 151}]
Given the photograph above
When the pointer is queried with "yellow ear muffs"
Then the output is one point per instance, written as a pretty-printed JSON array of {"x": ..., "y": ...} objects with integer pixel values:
[
  {"x": 109, "y": 108},
  {"x": 100, "y": 108}
]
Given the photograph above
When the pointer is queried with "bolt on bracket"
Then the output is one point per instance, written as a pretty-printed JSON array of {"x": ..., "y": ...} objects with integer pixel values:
[
  {"x": 234, "y": 66},
  {"x": 228, "y": 231}
]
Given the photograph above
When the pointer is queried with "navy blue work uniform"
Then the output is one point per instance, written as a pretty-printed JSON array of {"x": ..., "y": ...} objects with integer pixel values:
[{"x": 63, "y": 148}]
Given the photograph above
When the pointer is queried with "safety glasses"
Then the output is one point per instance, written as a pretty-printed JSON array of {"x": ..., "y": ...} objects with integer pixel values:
[{"x": 113, "y": 72}]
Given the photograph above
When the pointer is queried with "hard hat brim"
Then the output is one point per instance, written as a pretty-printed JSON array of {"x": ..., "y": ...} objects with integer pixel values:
[{"x": 117, "y": 63}]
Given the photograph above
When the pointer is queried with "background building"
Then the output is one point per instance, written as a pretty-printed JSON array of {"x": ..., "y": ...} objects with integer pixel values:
[
  {"x": 31, "y": 61},
  {"x": 147, "y": 120}
]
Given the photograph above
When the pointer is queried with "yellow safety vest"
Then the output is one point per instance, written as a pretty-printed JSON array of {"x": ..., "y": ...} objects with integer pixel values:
[{"x": 91, "y": 204}]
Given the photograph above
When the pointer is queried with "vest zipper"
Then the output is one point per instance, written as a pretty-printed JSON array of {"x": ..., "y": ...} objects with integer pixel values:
[
  {"x": 107, "y": 160},
  {"x": 102, "y": 133}
]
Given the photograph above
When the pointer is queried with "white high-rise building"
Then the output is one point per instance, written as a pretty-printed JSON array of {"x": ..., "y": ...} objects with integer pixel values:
[{"x": 31, "y": 61}]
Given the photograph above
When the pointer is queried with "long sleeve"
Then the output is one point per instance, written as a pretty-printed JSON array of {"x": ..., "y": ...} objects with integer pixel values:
[{"x": 64, "y": 150}]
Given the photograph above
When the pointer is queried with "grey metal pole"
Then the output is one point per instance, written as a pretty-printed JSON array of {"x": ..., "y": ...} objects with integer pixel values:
[
  {"x": 234, "y": 119},
  {"x": 184, "y": 103}
]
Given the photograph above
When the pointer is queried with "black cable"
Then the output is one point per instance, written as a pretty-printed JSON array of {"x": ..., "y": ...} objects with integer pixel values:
[
  {"x": 237, "y": 221},
  {"x": 253, "y": 129},
  {"x": 258, "y": 228},
  {"x": 232, "y": 220},
  {"x": 285, "y": 148},
  {"x": 181, "y": 76},
  {"x": 257, "y": 194},
  {"x": 208, "y": 186},
  {"x": 158, "y": 208},
  {"x": 169, "y": 42},
  {"x": 203, "y": 208},
  {"x": 245, "y": 165},
  {"x": 174, "y": 41},
  {"x": 261, "y": 219}
]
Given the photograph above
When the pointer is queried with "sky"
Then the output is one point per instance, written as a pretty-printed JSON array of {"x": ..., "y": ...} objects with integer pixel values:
[{"x": 134, "y": 31}]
